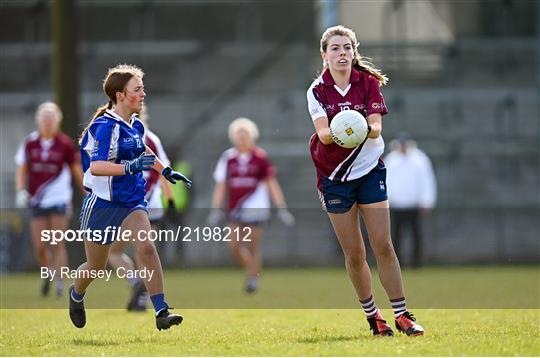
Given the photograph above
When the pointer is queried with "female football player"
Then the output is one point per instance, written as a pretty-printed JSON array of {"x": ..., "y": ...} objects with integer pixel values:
[
  {"x": 46, "y": 162},
  {"x": 245, "y": 175},
  {"x": 113, "y": 157},
  {"x": 155, "y": 185},
  {"x": 352, "y": 181}
]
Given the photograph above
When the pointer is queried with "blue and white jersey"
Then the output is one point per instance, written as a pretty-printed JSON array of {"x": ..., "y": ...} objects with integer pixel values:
[{"x": 112, "y": 139}]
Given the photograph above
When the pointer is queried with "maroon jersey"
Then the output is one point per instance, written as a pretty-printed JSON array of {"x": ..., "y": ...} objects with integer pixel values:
[
  {"x": 326, "y": 99},
  {"x": 48, "y": 162},
  {"x": 245, "y": 175}
]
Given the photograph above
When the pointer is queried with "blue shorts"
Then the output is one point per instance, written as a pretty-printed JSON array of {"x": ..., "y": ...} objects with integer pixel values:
[
  {"x": 97, "y": 215},
  {"x": 338, "y": 197}
]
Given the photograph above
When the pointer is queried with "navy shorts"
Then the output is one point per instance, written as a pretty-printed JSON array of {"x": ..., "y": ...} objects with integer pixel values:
[
  {"x": 104, "y": 218},
  {"x": 339, "y": 196},
  {"x": 53, "y": 210}
]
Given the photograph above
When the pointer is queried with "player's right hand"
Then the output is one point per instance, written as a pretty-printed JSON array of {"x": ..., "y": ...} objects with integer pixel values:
[
  {"x": 21, "y": 199},
  {"x": 143, "y": 162}
]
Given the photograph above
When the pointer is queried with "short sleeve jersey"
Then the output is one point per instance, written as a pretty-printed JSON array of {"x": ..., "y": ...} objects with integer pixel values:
[
  {"x": 244, "y": 174},
  {"x": 110, "y": 138},
  {"x": 326, "y": 99},
  {"x": 48, "y": 162}
]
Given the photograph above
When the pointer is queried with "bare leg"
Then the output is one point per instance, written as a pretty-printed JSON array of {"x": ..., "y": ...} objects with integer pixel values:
[
  {"x": 60, "y": 258},
  {"x": 117, "y": 257},
  {"x": 254, "y": 249},
  {"x": 377, "y": 219},
  {"x": 238, "y": 251},
  {"x": 96, "y": 259},
  {"x": 139, "y": 225},
  {"x": 347, "y": 228},
  {"x": 37, "y": 225}
]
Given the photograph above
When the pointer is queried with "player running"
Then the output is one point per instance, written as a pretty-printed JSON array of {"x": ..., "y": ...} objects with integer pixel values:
[
  {"x": 156, "y": 184},
  {"x": 113, "y": 157},
  {"x": 353, "y": 181}
]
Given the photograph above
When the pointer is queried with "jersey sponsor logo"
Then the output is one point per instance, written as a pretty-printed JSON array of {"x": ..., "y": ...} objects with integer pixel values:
[
  {"x": 334, "y": 201},
  {"x": 344, "y": 106},
  {"x": 96, "y": 147},
  {"x": 376, "y": 105}
]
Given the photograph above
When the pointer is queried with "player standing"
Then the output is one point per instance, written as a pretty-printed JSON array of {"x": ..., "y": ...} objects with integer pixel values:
[
  {"x": 245, "y": 175},
  {"x": 46, "y": 162},
  {"x": 353, "y": 181}
]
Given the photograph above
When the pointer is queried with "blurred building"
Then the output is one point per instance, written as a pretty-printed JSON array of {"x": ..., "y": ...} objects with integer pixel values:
[{"x": 464, "y": 79}]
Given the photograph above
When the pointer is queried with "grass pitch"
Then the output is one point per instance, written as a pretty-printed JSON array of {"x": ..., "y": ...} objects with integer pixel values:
[{"x": 229, "y": 330}]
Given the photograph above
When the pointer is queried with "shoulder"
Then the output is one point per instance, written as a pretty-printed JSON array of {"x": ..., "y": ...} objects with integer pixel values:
[
  {"x": 367, "y": 79},
  {"x": 102, "y": 121},
  {"x": 32, "y": 137},
  {"x": 65, "y": 140},
  {"x": 260, "y": 153},
  {"x": 229, "y": 154},
  {"x": 138, "y": 125},
  {"x": 420, "y": 156},
  {"x": 316, "y": 85}
]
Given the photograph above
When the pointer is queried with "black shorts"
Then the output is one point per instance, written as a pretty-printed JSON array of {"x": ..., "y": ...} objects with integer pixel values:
[{"x": 338, "y": 197}]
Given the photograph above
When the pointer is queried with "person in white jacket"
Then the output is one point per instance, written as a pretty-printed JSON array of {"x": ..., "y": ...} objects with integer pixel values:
[{"x": 412, "y": 192}]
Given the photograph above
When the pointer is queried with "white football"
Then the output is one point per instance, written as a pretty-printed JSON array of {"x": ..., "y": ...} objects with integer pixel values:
[{"x": 348, "y": 128}]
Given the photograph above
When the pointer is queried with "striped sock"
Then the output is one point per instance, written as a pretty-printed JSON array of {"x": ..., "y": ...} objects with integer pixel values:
[
  {"x": 369, "y": 307},
  {"x": 398, "y": 306}
]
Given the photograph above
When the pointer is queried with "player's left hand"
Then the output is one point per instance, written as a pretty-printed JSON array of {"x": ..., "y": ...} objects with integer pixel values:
[
  {"x": 173, "y": 177},
  {"x": 286, "y": 217}
]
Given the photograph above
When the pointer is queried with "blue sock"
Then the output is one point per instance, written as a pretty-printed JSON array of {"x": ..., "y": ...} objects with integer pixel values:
[
  {"x": 75, "y": 296},
  {"x": 158, "y": 301}
]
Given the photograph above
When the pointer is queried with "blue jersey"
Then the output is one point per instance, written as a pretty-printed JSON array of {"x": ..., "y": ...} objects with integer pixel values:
[{"x": 112, "y": 139}]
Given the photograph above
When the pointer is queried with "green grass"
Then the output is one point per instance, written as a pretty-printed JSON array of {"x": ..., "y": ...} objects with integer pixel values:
[
  {"x": 269, "y": 333},
  {"x": 439, "y": 287},
  {"x": 471, "y": 311}
]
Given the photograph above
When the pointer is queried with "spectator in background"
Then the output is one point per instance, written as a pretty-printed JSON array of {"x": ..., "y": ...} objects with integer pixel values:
[
  {"x": 411, "y": 191},
  {"x": 46, "y": 162}
]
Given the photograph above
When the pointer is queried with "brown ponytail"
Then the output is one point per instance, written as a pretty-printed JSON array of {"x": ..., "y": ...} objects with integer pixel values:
[
  {"x": 359, "y": 62},
  {"x": 114, "y": 82}
]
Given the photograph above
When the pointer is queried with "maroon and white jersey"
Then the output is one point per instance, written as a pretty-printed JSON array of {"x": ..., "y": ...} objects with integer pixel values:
[
  {"x": 152, "y": 177},
  {"x": 245, "y": 175},
  {"x": 326, "y": 99},
  {"x": 48, "y": 162}
]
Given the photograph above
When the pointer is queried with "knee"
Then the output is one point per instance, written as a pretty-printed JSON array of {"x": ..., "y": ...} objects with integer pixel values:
[
  {"x": 355, "y": 258},
  {"x": 145, "y": 250},
  {"x": 96, "y": 265},
  {"x": 384, "y": 248}
]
